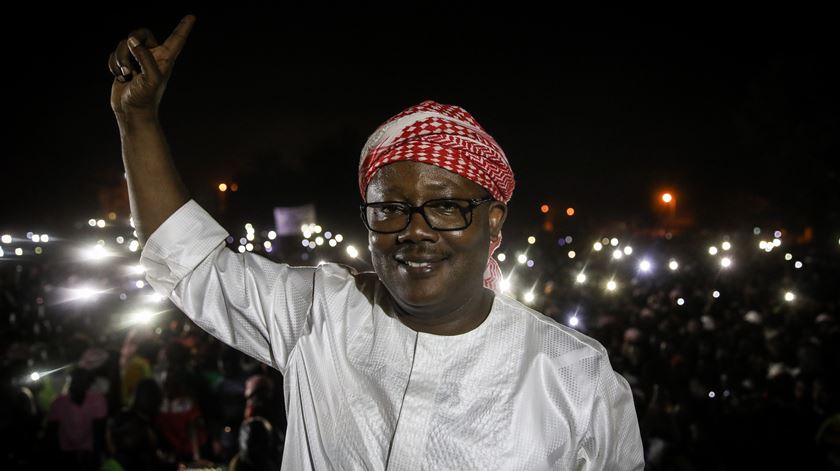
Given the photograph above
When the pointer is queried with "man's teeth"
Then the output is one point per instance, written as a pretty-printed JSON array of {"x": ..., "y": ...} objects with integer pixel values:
[{"x": 413, "y": 264}]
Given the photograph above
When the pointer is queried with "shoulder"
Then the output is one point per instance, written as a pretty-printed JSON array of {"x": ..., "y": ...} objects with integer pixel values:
[{"x": 547, "y": 339}]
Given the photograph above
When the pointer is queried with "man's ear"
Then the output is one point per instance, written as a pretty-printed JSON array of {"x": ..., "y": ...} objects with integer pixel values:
[{"x": 498, "y": 214}]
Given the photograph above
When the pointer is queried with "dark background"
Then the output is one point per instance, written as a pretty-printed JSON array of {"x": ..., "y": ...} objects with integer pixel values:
[{"x": 600, "y": 108}]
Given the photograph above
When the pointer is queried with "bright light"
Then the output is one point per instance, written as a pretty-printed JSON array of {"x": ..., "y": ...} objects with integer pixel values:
[
  {"x": 530, "y": 263},
  {"x": 667, "y": 197},
  {"x": 573, "y": 321},
  {"x": 241, "y": 249},
  {"x": 597, "y": 246},
  {"x": 797, "y": 265},
  {"x": 617, "y": 254},
  {"x": 788, "y": 256},
  {"x": 305, "y": 242},
  {"x": 136, "y": 269},
  {"x": 726, "y": 246},
  {"x": 762, "y": 245},
  {"x": 777, "y": 234},
  {"x": 249, "y": 247},
  {"x": 36, "y": 238},
  {"x": 711, "y": 394},
  {"x": 319, "y": 240},
  {"x": 614, "y": 242},
  {"x": 1, "y": 252},
  {"x": 581, "y": 278},
  {"x": 501, "y": 257},
  {"x": 529, "y": 297},
  {"x": 544, "y": 208},
  {"x": 7, "y": 239},
  {"x": 35, "y": 376},
  {"x": 155, "y": 298},
  {"x": 716, "y": 294},
  {"x": 628, "y": 250},
  {"x": 18, "y": 251},
  {"x": 568, "y": 239},
  {"x": 680, "y": 301},
  {"x": 572, "y": 254},
  {"x": 38, "y": 250},
  {"x": 505, "y": 284},
  {"x": 726, "y": 262},
  {"x": 339, "y": 237},
  {"x": 96, "y": 253},
  {"x": 318, "y": 229},
  {"x": 249, "y": 227},
  {"x": 307, "y": 234},
  {"x": 611, "y": 285},
  {"x": 532, "y": 240},
  {"x": 327, "y": 235},
  {"x": 333, "y": 243},
  {"x": 133, "y": 245},
  {"x": 131, "y": 221},
  {"x": 713, "y": 250},
  {"x": 141, "y": 317},
  {"x": 521, "y": 258},
  {"x": 272, "y": 235},
  {"x": 222, "y": 187},
  {"x": 140, "y": 284},
  {"x": 756, "y": 230},
  {"x": 120, "y": 240},
  {"x": 84, "y": 294},
  {"x": 250, "y": 236},
  {"x": 100, "y": 223},
  {"x": 92, "y": 222},
  {"x": 644, "y": 266},
  {"x": 570, "y": 212},
  {"x": 789, "y": 296},
  {"x": 777, "y": 242},
  {"x": 267, "y": 244},
  {"x": 352, "y": 252}
]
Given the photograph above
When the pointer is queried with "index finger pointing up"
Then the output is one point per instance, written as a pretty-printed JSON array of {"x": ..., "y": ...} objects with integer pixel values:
[{"x": 175, "y": 42}]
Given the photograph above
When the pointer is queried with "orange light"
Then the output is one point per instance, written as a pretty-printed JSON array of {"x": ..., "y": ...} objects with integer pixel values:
[
  {"x": 570, "y": 211},
  {"x": 544, "y": 208},
  {"x": 667, "y": 197},
  {"x": 222, "y": 187},
  {"x": 234, "y": 187}
]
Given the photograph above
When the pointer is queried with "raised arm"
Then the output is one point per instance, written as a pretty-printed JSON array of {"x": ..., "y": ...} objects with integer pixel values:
[{"x": 155, "y": 189}]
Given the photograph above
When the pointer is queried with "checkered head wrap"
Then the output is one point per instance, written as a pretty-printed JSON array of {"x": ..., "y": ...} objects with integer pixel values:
[{"x": 449, "y": 137}]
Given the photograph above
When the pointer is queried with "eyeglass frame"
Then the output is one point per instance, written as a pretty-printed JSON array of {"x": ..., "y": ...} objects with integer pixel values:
[{"x": 473, "y": 203}]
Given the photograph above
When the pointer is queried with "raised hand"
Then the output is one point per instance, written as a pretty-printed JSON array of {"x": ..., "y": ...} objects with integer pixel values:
[{"x": 140, "y": 91}]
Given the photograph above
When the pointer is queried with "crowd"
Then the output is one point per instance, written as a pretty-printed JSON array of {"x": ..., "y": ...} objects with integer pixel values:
[{"x": 733, "y": 364}]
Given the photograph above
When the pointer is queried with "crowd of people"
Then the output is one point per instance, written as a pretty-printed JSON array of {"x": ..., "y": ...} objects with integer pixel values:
[{"x": 731, "y": 366}]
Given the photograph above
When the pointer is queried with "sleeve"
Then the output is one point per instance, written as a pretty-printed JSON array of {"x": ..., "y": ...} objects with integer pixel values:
[
  {"x": 612, "y": 439},
  {"x": 247, "y": 301}
]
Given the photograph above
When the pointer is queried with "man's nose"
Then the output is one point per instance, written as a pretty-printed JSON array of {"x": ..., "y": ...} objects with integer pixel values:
[{"x": 418, "y": 229}]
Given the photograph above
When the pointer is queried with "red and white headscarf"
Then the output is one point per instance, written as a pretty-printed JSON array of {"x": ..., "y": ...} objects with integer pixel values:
[{"x": 449, "y": 137}]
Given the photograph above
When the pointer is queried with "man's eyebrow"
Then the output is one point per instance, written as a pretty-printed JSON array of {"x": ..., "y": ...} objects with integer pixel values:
[{"x": 438, "y": 185}]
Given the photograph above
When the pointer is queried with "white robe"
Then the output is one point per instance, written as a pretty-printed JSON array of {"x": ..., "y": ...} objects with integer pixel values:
[{"x": 363, "y": 391}]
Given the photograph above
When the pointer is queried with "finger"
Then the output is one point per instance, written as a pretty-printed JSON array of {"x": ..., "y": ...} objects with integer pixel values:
[
  {"x": 144, "y": 57},
  {"x": 175, "y": 42},
  {"x": 114, "y": 68},
  {"x": 145, "y": 36},
  {"x": 123, "y": 56}
]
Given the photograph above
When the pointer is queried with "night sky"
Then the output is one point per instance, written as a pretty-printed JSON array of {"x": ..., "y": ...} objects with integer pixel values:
[{"x": 597, "y": 109}]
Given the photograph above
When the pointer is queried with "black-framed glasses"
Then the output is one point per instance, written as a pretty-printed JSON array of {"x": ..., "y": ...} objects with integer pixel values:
[{"x": 444, "y": 214}]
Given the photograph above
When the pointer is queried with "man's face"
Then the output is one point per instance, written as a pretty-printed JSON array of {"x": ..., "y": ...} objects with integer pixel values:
[{"x": 458, "y": 258}]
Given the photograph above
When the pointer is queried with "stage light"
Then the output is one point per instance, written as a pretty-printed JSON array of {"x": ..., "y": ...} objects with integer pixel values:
[
  {"x": 544, "y": 209},
  {"x": 339, "y": 238},
  {"x": 680, "y": 301},
  {"x": 628, "y": 250},
  {"x": 645, "y": 266},
  {"x": 597, "y": 246},
  {"x": 726, "y": 246},
  {"x": 573, "y": 321},
  {"x": 715, "y": 294},
  {"x": 267, "y": 244},
  {"x": 241, "y": 249},
  {"x": 35, "y": 376},
  {"x": 272, "y": 235},
  {"x": 18, "y": 251},
  {"x": 572, "y": 254},
  {"x": 529, "y": 264},
  {"x": 522, "y": 258},
  {"x": 611, "y": 285},
  {"x": 617, "y": 254},
  {"x": 100, "y": 223},
  {"x": 726, "y": 262},
  {"x": 777, "y": 234},
  {"x": 581, "y": 278},
  {"x": 570, "y": 212},
  {"x": 140, "y": 284},
  {"x": 250, "y": 236},
  {"x": 505, "y": 284},
  {"x": 614, "y": 242},
  {"x": 789, "y": 296},
  {"x": 788, "y": 257},
  {"x": 667, "y": 197},
  {"x": 797, "y": 265},
  {"x": 222, "y": 187},
  {"x": 333, "y": 243},
  {"x": 713, "y": 250},
  {"x": 7, "y": 239},
  {"x": 777, "y": 242},
  {"x": 529, "y": 297},
  {"x": 501, "y": 257},
  {"x": 319, "y": 240},
  {"x": 532, "y": 240},
  {"x": 92, "y": 222},
  {"x": 249, "y": 247}
]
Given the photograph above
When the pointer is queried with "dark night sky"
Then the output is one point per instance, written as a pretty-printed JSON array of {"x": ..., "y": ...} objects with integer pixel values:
[{"x": 736, "y": 110}]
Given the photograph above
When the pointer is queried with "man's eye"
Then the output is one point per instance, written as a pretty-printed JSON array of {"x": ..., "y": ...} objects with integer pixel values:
[
  {"x": 391, "y": 209},
  {"x": 446, "y": 205}
]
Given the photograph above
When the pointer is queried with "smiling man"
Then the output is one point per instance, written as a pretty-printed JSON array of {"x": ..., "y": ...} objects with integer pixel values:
[{"x": 416, "y": 365}]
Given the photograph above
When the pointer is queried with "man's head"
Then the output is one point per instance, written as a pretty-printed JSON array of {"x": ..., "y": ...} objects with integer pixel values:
[{"x": 427, "y": 153}]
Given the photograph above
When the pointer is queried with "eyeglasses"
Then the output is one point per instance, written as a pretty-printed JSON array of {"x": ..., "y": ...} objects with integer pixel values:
[{"x": 446, "y": 214}]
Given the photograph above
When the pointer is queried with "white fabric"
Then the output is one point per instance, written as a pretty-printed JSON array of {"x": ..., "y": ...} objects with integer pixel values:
[{"x": 363, "y": 391}]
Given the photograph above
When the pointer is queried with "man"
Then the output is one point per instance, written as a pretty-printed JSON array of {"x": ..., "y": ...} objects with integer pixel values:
[{"x": 416, "y": 365}]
